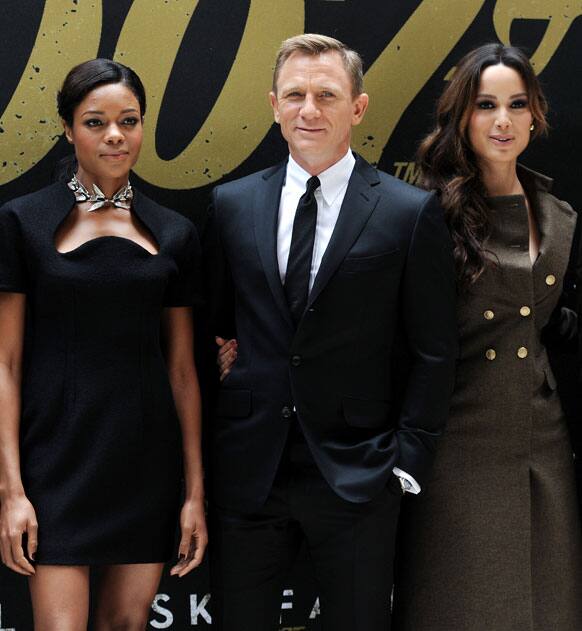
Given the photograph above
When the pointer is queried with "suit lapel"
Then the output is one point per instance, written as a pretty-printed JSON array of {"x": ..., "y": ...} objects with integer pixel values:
[
  {"x": 359, "y": 202},
  {"x": 265, "y": 216}
]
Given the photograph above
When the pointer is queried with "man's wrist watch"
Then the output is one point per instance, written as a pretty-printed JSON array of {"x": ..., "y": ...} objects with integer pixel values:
[{"x": 405, "y": 485}]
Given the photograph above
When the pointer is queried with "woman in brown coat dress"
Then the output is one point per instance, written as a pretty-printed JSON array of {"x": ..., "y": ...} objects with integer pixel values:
[{"x": 493, "y": 543}]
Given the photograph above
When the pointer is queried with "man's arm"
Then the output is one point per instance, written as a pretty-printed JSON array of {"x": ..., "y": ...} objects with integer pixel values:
[
  {"x": 430, "y": 325},
  {"x": 218, "y": 316},
  {"x": 219, "y": 289}
]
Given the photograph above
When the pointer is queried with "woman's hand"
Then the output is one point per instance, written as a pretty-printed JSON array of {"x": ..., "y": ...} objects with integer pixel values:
[
  {"x": 184, "y": 381},
  {"x": 227, "y": 353},
  {"x": 194, "y": 537},
  {"x": 17, "y": 517}
]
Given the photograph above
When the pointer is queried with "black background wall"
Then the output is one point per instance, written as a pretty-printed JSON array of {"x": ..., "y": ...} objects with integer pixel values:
[{"x": 207, "y": 65}]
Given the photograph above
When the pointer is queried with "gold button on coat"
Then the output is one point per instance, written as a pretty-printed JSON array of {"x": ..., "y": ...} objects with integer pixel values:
[
  {"x": 550, "y": 279},
  {"x": 490, "y": 354},
  {"x": 488, "y": 315},
  {"x": 522, "y": 352},
  {"x": 525, "y": 311}
]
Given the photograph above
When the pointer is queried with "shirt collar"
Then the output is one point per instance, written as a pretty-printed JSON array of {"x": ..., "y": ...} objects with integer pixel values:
[{"x": 333, "y": 180}]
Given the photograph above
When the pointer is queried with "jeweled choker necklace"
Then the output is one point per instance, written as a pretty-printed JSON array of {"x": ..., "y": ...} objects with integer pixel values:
[{"x": 121, "y": 199}]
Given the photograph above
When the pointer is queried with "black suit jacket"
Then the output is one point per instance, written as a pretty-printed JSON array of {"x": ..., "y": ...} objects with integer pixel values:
[{"x": 386, "y": 283}]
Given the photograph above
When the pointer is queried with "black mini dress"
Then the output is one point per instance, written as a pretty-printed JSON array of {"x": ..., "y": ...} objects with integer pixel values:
[{"x": 99, "y": 434}]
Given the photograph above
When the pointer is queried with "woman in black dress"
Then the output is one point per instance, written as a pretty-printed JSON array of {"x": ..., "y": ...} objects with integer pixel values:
[{"x": 95, "y": 422}]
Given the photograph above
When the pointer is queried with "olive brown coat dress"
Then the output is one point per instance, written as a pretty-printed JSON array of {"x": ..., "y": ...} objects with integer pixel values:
[{"x": 493, "y": 543}]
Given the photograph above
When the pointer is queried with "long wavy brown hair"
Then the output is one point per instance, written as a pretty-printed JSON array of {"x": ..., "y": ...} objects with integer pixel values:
[{"x": 448, "y": 164}]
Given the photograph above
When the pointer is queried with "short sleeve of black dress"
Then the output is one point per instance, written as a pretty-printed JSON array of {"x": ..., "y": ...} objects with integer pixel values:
[
  {"x": 184, "y": 284},
  {"x": 13, "y": 272}
]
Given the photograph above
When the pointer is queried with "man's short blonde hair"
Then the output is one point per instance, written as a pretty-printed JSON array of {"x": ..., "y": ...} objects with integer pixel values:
[{"x": 315, "y": 44}]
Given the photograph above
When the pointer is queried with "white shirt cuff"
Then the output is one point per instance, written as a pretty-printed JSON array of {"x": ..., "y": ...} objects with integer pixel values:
[{"x": 414, "y": 485}]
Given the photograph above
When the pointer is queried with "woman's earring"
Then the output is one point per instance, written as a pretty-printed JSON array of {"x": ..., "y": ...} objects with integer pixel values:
[{"x": 532, "y": 127}]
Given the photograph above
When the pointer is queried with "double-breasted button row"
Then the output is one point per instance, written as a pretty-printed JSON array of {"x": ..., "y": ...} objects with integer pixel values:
[
  {"x": 524, "y": 311},
  {"x": 521, "y": 352}
]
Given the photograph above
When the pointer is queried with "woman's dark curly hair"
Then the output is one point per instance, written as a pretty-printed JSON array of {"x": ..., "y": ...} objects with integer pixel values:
[{"x": 448, "y": 164}]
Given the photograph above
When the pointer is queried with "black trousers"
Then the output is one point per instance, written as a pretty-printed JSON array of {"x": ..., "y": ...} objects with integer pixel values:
[{"x": 351, "y": 547}]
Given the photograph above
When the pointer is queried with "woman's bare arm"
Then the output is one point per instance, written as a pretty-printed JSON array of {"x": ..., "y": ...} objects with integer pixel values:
[
  {"x": 184, "y": 381},
  {"x": 17, "y": 515}
]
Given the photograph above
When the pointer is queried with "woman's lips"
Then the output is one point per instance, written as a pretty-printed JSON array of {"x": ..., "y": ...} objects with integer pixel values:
[
  {"x": 501, "y": 140},
  {"x": 115, "y": 156}
]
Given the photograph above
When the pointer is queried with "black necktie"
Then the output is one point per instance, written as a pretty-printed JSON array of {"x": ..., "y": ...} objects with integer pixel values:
[{"x": 301, "y": 251}]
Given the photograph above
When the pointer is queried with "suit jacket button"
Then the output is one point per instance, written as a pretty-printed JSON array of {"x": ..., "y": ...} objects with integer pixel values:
[
  {"x": 490, "y": 354},
  {"x": 296, "y": 360},
  {"x": 525, "y": 311},
  {"x": 286, "y": 412},
  {"x": 488, "y": 315},
  {"x": 522, "y": 352}
]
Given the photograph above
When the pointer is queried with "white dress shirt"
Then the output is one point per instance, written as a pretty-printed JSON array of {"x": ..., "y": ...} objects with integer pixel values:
[{"x": 329, "y": 196}]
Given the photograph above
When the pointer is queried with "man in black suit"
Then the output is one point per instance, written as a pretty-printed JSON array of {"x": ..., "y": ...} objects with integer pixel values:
[{"x": 324, "y": 270}]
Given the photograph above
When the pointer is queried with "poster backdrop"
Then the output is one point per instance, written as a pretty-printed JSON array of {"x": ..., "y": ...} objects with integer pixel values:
[{"x": 207, "y": 66}]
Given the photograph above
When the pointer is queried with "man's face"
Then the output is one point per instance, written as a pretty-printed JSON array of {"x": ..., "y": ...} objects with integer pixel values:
[{"x": 316, "y": 109}]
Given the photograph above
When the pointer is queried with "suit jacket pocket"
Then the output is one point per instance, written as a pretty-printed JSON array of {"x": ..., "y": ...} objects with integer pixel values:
[
  {"x": 234, "y": 403},
  {"x": 353, "y": 264},
  {"x": 369, "y": 413}
]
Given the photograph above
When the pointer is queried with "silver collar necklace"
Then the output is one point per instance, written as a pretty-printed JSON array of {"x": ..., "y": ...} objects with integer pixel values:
[{"x": 121, "y": 199}]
